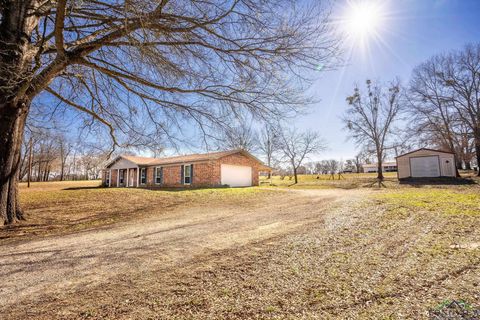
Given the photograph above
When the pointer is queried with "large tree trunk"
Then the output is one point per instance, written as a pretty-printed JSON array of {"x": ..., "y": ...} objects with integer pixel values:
[
  {"x": 13, "y": 115},
  {"x": 379, "y": 167}
]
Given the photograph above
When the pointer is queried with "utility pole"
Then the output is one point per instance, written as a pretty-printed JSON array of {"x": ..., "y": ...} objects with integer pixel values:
[{"x": 30, "y": 144}]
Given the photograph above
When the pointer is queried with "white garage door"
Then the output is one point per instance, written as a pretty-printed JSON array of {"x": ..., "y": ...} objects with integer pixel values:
[
  {"x": 425, "y": 167},
  {"x": 236, "y": 176}
]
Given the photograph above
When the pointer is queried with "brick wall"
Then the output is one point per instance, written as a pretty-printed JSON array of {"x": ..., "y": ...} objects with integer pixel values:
[
  {"x": 204, "y": 173},
  {"x": 171, "y": 176},
  {"x": 150, "y": 176}
]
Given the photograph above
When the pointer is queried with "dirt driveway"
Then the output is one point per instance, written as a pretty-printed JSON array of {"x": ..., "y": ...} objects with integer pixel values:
[{"x": 32, "y": 269}]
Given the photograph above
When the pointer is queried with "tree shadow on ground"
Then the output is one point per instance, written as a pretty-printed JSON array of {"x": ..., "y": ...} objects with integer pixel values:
[
  {"x": 82, "y": 188},
  {"x": 176, "y": 189},
  {"x": 418, "y": 182},
  {"x": 377, "y": 183}
]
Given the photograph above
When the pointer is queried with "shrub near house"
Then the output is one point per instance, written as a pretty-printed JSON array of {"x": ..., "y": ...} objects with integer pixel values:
[{"x": 235, "y": 168}]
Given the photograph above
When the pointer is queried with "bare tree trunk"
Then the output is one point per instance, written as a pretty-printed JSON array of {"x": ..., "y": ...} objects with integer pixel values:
[
  {"x": 269, "y": 165},
  {"x": 47, "y": 171},
  {"x": 62, "y": 170},
  {"x": 22, "y": 165},
  {"x": 477, "y": 149},
  {"x": 30, "y": 147},
  {"x": 468, "y": 166},
  {"x": 13, "y": 115},
  {"x": 380, "y": 168},
  {"x": 458, "y": 165},
  {"x": 39, "y": 172}
]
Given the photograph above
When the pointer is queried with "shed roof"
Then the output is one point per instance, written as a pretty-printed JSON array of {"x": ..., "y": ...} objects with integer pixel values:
[{"x": 426, "y": 149}]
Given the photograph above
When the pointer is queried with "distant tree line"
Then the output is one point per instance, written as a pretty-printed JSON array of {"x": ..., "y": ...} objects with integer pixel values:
[{"x": 51, "y": 155}]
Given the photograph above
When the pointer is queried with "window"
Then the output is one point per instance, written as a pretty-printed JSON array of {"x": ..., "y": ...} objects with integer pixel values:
[
  {"x": 187, "y": 175},
  {"x": 143, "y": 176},
  {"x": 122, "y": 176},
  {"x": 158, "y": 175},
  {"x": 107, "y": 177}
]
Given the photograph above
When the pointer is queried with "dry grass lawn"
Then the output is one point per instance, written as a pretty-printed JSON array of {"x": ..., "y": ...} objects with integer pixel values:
[
  {"x": 279, "y": 253},
  {"x": 68, "y": 206}
]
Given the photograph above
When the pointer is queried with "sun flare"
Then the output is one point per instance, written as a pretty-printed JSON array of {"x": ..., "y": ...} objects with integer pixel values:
[{"x": 363, "y": 18}]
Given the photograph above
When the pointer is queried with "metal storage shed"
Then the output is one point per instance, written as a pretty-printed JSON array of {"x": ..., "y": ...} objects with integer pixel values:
[{"x": 426, "y": 163}]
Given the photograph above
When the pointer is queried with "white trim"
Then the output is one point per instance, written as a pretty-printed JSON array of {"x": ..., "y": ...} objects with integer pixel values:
[
  {"x": 190, "y": 176},
  {"x": 155, "y": 169},
  {"x": 138, "y": 182},
  {"x": 128, "y": 178},
  {"x": 110, "y": 178},
  {"x": 118, "y": 178},
  {"x": 140, "y": 175}
]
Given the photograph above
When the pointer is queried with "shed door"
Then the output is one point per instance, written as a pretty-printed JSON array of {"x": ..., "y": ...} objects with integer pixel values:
[
  {"x": 236, "y": 176},
  {"x": 425, "y": 167},
  {"x": 448, "y": 169}
]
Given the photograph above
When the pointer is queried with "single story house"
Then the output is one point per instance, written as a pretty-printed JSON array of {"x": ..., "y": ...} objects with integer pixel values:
[
  {"x": 386, "y": 167},
  {"x": 234, "y": 168},
  {"x": 426, "y": 163}
]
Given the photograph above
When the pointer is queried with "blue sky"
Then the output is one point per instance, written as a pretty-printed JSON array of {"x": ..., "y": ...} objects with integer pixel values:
[{"x": 411, "y": 31}]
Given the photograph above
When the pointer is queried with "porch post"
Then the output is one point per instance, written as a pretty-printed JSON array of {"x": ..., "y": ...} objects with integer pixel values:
[
  {"x": 138, "y": 176},
  {"x": 110, "y": 178},
  {"x": 128, "y": 178},
  {"x": 118, "y": 178}
]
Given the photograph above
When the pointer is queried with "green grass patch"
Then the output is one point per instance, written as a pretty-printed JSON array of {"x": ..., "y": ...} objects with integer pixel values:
[
  {"x": 445, "y": 201},
  {"x": 326, "y": 181}
]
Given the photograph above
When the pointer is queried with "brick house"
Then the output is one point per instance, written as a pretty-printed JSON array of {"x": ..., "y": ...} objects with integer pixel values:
[{"x": 235, "y": 168}]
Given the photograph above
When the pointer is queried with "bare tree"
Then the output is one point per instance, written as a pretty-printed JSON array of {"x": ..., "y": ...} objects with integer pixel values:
[
  {"x": 444, "y": 98},
  {"x": 460, "y": 77},
  {"x": 358, "y": 161},
  {"x": 268, "y": 144},
  {"x": 370, "y": 117},
  {"x": 238, "y": 137},
  {"x": 350, "y": 165},
  {"x": 434, "y": 120},
  {"x": 322, "y": 167},
  {"x": 332, "y": 167},
  {"x": 171, "y": 64},
  {"x": 297, "y": 146},
  {"x": 64, "y": 151},
  {"x": 310, "y": 167}
]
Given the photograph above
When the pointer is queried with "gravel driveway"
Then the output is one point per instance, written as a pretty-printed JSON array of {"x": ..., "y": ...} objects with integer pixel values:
[{"x": 37, "y": 267}]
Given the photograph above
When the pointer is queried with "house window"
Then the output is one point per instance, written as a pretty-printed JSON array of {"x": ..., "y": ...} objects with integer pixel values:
[
  {"x": 143, "y": 176},
  {"x": 107, "y": 177},
  {"x": 122, "y": 176},
  {"x": 158, "y": 175},
  {"x": 187, "y": 174}
]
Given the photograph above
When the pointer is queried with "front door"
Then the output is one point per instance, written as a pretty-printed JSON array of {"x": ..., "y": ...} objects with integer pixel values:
[{"x": 132, "y": 178}]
